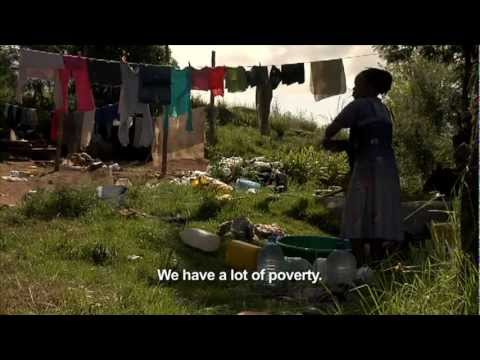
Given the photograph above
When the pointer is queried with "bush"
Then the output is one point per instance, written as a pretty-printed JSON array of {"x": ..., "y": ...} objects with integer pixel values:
[
  {"x": 69, "y": 203},
  {"x": 326, "y": 169}
]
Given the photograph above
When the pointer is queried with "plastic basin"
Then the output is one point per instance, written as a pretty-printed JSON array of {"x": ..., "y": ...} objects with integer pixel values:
[{"x": 311, "y": 247}]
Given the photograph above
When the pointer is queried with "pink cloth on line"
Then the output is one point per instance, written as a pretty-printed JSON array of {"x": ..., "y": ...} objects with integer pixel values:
[
  {"x": 77, "y": 67},
  {"x": 200, "y": 79}
]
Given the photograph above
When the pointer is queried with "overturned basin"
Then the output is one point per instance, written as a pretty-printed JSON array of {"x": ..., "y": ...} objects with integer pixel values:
[{"x": 311, "y": 247}]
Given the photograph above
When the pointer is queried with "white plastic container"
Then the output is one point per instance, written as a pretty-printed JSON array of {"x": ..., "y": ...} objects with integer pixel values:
[{"x": 200, "y": 239}]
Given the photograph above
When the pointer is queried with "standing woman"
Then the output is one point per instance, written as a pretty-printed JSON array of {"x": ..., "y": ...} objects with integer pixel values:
[{"x": 372, "y": 208}]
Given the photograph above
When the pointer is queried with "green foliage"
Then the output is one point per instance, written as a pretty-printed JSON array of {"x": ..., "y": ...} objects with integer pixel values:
[
  {"x": 308, "y": 164},
  {"x": 425, "y": 101},
  {"x": 69, "y": 203}
]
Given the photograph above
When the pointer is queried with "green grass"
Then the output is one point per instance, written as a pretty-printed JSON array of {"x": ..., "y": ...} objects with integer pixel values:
[
  {"x": 66, "y": 252},
  {"x": 77, "y": 264}
]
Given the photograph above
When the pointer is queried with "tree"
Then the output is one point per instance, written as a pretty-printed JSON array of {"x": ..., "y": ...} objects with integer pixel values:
[
  {"x": 424, "y": 120},
  {"x": 463, "y": 59}
]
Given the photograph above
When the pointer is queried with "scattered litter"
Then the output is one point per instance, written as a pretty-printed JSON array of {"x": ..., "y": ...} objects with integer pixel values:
[
  {"x": 112, "y": 193},
  {"x": 224, "y": 197},
  {"x": 96, "y": 165},
  {"x": 252, "y": 191},
  {"x": 133, "y": 257},
  {"x": 200, "y": 239},
  {"x": 364, "y": 275},
  {"x": 132, "y": 213},
  {"x": 115, "y": 167},
  {"x": 123, "y": 182},
  {"x": 201, "y": 180},
  {"x": 13, "y": 179},
  {"x": 265, "y": 231},
  {"x": 81, "y": 159},
  {"x": 245, "y": 184},
  {"x": 16, "y": 176}
]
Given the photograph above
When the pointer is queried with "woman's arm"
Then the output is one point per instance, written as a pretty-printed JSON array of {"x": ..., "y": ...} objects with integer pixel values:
[{"x": 344, "y": 120}]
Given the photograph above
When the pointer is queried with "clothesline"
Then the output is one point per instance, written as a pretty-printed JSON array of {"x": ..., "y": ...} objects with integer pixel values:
[
  {"x": 145, "y": 64},
  {"x": 312, "y": 61}
]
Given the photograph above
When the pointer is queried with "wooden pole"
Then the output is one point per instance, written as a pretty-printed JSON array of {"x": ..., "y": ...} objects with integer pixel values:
[
  {"x": 58, "y": 154},
  {"x": 165, "y": 128},
  {"x": 212, "y": 136}
]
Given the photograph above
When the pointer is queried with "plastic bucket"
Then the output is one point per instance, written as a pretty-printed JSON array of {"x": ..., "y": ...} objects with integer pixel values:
[{"x": 311, "y": 247}]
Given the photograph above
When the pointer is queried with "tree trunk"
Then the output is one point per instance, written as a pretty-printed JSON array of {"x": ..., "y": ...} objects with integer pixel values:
[{"x": 469, "y": 194}]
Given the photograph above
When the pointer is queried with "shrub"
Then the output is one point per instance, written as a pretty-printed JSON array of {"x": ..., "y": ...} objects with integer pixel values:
[{"x": 69, "y": 203}]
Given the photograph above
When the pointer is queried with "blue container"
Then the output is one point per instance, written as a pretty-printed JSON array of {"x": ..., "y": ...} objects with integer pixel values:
[{"x": 245, "y": 184}]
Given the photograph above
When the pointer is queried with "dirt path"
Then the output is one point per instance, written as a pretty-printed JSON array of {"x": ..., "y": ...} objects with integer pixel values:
[{"x": 43, "y": 177}]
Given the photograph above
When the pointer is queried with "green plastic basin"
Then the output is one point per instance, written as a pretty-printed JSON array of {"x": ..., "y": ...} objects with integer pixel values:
[{"x": 311, "y": 247}]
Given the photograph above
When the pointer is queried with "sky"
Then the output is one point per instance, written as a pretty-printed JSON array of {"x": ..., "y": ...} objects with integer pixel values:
[{"x": 295, "y": 98}]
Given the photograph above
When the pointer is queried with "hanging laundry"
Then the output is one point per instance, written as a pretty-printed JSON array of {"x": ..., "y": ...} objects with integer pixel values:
[
  {"x": 236, "y": 79},
  {"x": 181, "y": 100},
  {"x": 104, "y": 72},
  {"x": 77, "y": 67},
  {"x": 3, "y": 116},
  {"x": 216, "y": 81},
  {"x": 104, "y": 118},
  {"x": 327, "y": 78},
  {"x": 154, "y": 85},
  {"x": 87, "y": 128},
  {"x": 259, "y": 75},
  {"x": 78, "y": 129},
  {"x": 54, "y": 123},
  {"x": 144, "y": 132},
  {"x": 39, "y": 65},
  {"x": 263, "y": 97},
  {"x": 11, "y": 116},
  {"x": 105, "y": 94},
  {"x": 275, "y": 77},
  {"x": 251, "y": 78},
  {"x": 293, "y": 73},
  {"x": 129, "y": 104},
  {"x": 200, "y": 79},
  {"x": 29, "y": 118}
]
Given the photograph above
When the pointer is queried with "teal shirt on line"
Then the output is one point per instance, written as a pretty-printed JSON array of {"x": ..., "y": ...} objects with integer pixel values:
[{"x": 181, "y": 102}]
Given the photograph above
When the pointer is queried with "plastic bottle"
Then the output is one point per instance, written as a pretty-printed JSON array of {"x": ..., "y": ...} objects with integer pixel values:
[
  {"x": 245, "y": 184},
  {"x": 271, "y": 260},
  {"x": 341, "y": 268},
  {"x": 298, "y": 264},
  {"x": 320, "y": 266}
]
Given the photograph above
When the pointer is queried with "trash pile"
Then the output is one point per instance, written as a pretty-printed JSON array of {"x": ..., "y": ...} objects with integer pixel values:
[
  {"x": 243, "y": 229},
  {"x": 236, "y": 173},
  {"x": 200, "y": 179},
  {"x": 83, "y": 161},
  {"x": 18, "y": 176},
  {"x": 259, "y": 170}
]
